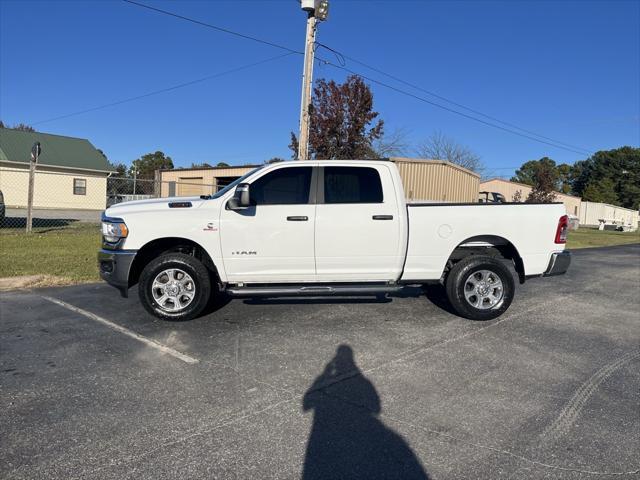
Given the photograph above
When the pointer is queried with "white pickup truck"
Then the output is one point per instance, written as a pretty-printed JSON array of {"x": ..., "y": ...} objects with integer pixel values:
[{"x": 326, "y": 227}]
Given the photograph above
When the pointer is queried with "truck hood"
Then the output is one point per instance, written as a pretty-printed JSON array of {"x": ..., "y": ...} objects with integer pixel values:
[{"x": 154, "y": 205}]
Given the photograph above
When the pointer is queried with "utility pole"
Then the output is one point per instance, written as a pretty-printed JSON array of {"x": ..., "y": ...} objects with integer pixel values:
[
  {"x": 35, "y": 153},
  {"x": 135, "y": 179},
  {"x": 307, "y": 81},
  {"x": 316, "y": 10}
]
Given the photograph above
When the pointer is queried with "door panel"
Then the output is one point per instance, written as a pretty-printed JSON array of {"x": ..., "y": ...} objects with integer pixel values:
[
  {"x": 272, "y": 241},
  {"x": 358, "y": 231}
]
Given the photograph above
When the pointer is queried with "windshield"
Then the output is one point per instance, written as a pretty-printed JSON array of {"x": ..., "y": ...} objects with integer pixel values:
[{"x": 235, "y": 182}]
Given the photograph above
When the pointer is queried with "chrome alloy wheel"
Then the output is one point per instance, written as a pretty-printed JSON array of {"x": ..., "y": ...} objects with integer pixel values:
[
  {"x": 173, "y": 290},
  {"x": 483, "y": 290}
]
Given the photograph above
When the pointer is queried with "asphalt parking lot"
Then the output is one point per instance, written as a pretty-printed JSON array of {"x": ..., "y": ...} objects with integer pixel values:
[{"x": 93, "y": 387}]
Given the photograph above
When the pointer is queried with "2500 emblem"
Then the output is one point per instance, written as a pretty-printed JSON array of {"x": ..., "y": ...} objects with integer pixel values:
[{"x": 244, "y": 252}]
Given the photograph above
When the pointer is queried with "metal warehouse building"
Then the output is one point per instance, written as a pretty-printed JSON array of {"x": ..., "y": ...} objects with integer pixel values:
[
  {"x": 427, "y": 180},
  {"x": 509, "y": 189},
  {"x": 437, "y": 181}
]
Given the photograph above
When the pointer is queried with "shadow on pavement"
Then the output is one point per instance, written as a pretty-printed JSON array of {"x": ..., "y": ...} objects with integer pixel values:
[
  {"x": 316, "y": 300},
  {"x": 438, "y": 296},
  {"x": 217, "y": 301},
  {"x": 347, "y": 439},
  {"x": 434, "y": 293}
]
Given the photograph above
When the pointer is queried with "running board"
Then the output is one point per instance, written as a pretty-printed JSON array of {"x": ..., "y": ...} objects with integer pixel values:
[{"x": 312, "y": 291}]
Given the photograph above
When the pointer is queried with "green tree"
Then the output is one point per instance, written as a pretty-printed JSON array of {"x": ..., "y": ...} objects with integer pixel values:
[
  {"x": 119, "y": 182},
  {"x": 143, "y": 170},
  {"x": 208, "y": 165},
  {"x": 564, "y": 177},
  {"x": 343, "y": 123},
  {"x": 122, "y": 171},
  {"x": 20, "y": 126},
  {"x": 528, "y": 171},
  {"x": 146, "y": 166},
  {"x": 620, "y": 167},
  {"x": 602, "y": 192}
]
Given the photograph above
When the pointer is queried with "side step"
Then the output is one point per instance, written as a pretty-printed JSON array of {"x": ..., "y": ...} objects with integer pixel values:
[{"x": 311, "y": 290}]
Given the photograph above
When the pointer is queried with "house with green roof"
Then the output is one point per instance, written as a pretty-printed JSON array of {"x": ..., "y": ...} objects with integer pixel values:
[{"x": 70, "y": 174}]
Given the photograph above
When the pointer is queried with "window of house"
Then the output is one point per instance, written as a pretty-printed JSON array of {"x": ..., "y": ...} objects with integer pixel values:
[
  {"x": 285, "y": 186},
  {"x": 352, "y": 185},
  {"x": 79, "y": 186}
]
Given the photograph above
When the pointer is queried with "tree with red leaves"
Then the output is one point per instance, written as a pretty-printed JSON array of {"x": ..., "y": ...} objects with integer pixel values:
[{"x": 341, "y": 116}]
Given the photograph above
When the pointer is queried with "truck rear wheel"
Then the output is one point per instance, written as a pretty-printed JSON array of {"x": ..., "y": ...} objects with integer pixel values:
[
  {"x": 174, "y": 286},
  {"x": 480, "y": 287}
]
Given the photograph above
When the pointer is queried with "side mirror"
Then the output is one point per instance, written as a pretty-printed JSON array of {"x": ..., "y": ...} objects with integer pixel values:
[{"x": 241, "y": 198}]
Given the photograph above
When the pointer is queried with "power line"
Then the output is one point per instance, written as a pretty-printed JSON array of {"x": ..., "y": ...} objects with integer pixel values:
[
  {"x": 417, "y": 87},
  {"x": 451, "y": 110},
  {"x": 163, "y": 90},
  {"x": 214, "y": 27},
  {"x": 528, "y": 134}
]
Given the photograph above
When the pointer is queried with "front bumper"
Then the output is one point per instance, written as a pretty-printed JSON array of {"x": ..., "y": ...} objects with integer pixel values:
[
  {"x": 558, "y": 264},
  {"x": 114, "y": 267}
]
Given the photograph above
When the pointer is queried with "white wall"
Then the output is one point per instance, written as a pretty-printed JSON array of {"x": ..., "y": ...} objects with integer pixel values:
[{"x": 591, "y": 213}]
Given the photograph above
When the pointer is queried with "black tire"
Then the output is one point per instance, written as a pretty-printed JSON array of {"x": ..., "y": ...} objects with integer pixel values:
[
  {"x": 187, "y": 264},
  {"x": 456, "y": 285}
]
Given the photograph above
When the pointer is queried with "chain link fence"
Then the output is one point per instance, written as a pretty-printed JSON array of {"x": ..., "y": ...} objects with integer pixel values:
[{"x": 62, "y": 200}]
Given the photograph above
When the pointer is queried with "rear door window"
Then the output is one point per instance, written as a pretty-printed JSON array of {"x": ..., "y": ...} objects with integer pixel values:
[{"x": 352, "y": 185}]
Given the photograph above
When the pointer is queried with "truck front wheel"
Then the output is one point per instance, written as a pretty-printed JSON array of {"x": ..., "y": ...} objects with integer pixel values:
[
  {"x": 174, "y": 286},
  {"x": 480, "y": 287}
]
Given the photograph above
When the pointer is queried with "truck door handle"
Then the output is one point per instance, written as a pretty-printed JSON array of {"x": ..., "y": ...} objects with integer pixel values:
[
  {"x": 297, "y": 218},
  {"x": 382, "y": 217}
]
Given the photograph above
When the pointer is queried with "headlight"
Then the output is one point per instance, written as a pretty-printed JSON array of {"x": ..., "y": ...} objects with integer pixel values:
[{"x": 113, "y": 232}]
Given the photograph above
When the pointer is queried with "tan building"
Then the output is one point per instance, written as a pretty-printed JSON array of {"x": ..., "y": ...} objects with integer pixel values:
[
  {"x": 430, "y": 180},
  {"x": 437, "y": 181},
  {"x": 186, "y": 182},
  {"x": 70, "y": 174},
  {"x": 509, "y": 189}
]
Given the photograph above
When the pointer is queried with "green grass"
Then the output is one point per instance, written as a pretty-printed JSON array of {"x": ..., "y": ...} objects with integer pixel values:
[
  {"x": 591, "y": 237},
  {"x": 69, "y": 253}
]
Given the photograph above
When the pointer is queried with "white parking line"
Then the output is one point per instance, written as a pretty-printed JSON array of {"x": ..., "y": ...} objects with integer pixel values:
[{"x": 147, "y": 341}]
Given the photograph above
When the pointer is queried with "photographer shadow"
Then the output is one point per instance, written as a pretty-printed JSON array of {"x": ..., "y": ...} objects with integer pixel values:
[{"x": 347, "y": 439}]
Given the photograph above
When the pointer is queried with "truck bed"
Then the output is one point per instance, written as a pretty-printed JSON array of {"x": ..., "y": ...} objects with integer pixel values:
[{"x": 436, "y": 229}]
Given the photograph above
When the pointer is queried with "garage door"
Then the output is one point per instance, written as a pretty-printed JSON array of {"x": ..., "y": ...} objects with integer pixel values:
[{"x": 190, "y": 186}]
